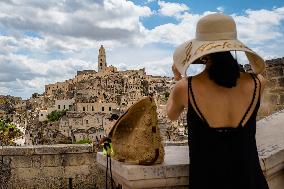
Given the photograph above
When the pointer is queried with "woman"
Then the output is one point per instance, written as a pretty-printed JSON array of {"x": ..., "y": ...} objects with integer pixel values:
[{"x": 222, "y": 105}]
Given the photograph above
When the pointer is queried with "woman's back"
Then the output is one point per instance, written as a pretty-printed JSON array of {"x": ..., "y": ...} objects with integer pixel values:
[
  {"x": 224, "y": 107},
  {"x": 224, "y": 156}
]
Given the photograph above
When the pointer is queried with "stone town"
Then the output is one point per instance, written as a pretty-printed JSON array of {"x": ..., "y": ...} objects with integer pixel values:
[
  {"x": 88, "y": 101},
  {"x": 91, "y": 97}
]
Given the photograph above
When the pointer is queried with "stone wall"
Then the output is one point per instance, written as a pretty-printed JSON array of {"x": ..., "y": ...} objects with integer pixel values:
[
  {"x": 273, "y": 98},
  {"x": 54, "y": 166}
]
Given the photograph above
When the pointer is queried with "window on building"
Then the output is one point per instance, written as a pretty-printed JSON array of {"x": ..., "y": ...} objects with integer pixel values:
[
  {"x": 92, "y": 108},
  {"x": 64, "y": 107},
  {"x": 109, "y": 108},
  {"x": 41, "y": 114},
  {"x": 70, "y": 106},
  {"x": 58, "y": 107},
  {"x": 84, "y": 109},
  {"x": 103, "y": 108},
  {"x": 101, "y": 64},
  {"x": 87, "y": 121}
]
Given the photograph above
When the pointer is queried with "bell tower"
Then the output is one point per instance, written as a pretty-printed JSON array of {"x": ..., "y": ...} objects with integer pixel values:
[{"x": 102, "y": 59}]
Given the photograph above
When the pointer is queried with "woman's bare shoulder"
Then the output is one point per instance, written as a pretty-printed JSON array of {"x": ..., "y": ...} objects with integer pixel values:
[
  {"x": 182, "y": 84},
  {"x": 246, "y": 78}
]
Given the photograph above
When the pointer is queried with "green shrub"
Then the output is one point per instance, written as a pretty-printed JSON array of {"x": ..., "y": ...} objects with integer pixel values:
[
  {"x": 56, "y": 115},
  {"x": 167, "y": 94},
  {"x": 84, "y": 141}
]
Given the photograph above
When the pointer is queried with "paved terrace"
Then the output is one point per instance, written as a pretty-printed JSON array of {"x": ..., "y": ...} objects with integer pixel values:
[{"x": 60, "y": 166}]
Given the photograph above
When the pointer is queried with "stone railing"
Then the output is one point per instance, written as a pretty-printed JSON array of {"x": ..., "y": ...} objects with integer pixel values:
[
  {"x": 54, "y": 166},
  {"x": 173, "y": 173}
]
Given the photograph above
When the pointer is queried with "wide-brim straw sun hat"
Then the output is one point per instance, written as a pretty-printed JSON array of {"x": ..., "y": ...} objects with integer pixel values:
[{"x": 214, "y": 33}]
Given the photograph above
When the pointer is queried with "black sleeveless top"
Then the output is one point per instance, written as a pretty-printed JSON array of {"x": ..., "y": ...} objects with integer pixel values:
[{"x": 223, "y": 158}]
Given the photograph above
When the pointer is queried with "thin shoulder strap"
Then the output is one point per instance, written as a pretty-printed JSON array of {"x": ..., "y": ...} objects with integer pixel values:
[
  {"x": 192, "y": 95},
  {"x": 252, "y": 101},
  {"x": 188, "y": 101},
  {"x": 259, "y": 89}
]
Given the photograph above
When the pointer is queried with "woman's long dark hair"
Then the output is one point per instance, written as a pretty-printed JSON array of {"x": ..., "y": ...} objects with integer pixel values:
[{"x": 224, "y": 69}]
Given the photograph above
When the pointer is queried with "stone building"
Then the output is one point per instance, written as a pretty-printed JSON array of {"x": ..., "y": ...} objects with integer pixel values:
[
  {"x": 102, "y": 59},
  {"x": 59, "y": 105},
  {"x": 92, "y": 96},
  {"x": 83, "y": 125},
  {"x": 59, "y": 87},
  {"x": 95, "y": 107},
  {"x": 65, "y": 104}
]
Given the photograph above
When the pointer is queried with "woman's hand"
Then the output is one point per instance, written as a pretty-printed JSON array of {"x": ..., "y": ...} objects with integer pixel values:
[{"x": 177, "y": 74}]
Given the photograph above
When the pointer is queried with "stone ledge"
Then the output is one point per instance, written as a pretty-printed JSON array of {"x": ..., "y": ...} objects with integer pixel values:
[
  {"x": 17, "y": 151},
  {"x": 274, "y": 163},
  {"x": 45, "y": 149},
  {"x": 173, "y": 172},
  {"x": 270, "y": 144}
]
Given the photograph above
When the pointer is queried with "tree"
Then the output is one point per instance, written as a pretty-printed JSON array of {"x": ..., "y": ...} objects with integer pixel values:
[{"x": 8, "y": 132}]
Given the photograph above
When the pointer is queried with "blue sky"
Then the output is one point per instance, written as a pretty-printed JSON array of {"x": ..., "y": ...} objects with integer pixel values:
[
  {"x": 44, "y": 42},
  {"x": 200, "y": 6}
]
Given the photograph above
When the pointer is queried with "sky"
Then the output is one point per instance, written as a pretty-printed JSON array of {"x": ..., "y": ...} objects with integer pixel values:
[{"x": 43, "y": 42}]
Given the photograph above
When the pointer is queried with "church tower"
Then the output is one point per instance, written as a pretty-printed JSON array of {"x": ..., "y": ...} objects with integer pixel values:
[{"x": 102, "y": 59}]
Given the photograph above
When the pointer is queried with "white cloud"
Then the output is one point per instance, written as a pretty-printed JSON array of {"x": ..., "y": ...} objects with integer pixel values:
[
  {"x": 259, "y": 29},
  {"x": 155, "y": 59},
  {"x": 174, "y": 34},
  {"x": 221, "y": 9},
  {"x": 95, "y": 20},
  {"x": 69, "y": 33},
  {"x": 171, "y": 9},
  {"x": 20, "y": 74},
  {"x": 5, "y": 91},
  {"x": 150, "y": 1},
  {"x": 259, "y": 26}
]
